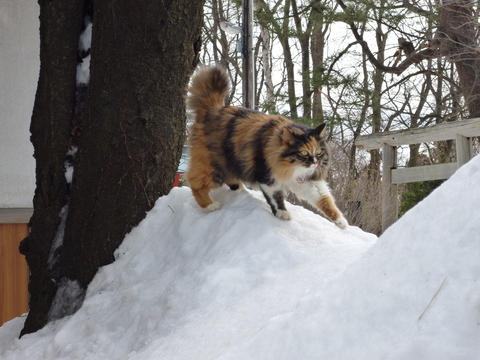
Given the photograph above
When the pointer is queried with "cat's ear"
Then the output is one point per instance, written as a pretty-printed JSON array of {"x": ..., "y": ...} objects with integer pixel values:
[
  {"x": 288, "y": 136},
  {"x": 319, "y": 131}
]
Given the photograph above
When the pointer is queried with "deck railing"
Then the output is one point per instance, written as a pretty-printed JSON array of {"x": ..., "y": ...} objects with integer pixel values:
[{"x": 461, "y": 131}]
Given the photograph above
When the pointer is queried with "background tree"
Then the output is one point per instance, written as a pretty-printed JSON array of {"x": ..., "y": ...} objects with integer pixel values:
[
  {"x": 364, "y": 67},
  {"x": 129, "y": 133},
  {"x": 455, "y": 38}
]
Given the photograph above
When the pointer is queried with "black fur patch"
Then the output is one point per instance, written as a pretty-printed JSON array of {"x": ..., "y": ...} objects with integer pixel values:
[
  {"x": 233, "y": 163},
  {"x": 218, "y": 175},
  {"x": 269, "y": 201},
  {"x": 262, "y": 172},
  {"x": 279, "y": 199}
]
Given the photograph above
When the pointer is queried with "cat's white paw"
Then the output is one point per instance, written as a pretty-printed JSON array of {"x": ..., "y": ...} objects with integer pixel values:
[
  {"x": 213, "y": 206},
  {"x": 283, "y": 214},
  {"x": 341, "y": 222}
]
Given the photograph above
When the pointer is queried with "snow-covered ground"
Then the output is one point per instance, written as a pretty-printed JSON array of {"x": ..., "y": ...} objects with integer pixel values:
[{"x": 241, "y": 284}]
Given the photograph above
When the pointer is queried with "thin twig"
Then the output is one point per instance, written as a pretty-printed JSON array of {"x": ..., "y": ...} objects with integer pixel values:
[{"x": 433, "y": 298}]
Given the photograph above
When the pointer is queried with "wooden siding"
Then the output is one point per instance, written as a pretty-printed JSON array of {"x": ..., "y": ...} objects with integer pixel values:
[{"x": 13, "y": 272}]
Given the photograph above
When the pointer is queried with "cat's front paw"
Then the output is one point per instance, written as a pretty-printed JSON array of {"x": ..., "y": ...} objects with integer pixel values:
[
  {"x": 283, "y": 214},
  {"x": 213, "y": 206},
  {"x": 341, "y": 222}
]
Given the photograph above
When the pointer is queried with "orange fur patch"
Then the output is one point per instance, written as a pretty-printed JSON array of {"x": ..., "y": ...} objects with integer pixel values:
[{"x": 327, "y": 206}]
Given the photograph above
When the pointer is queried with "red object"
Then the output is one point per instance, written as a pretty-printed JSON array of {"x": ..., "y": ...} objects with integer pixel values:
[{"x": 177, "y": 179}]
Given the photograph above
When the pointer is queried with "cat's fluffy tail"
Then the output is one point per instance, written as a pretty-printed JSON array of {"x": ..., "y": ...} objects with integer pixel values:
[{"x": 209, "y": 86}]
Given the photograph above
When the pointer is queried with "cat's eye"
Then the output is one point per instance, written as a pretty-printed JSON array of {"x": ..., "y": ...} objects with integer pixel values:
[
  {"x": 318, "y": 152},
  {"x": 304, "y": 153}
]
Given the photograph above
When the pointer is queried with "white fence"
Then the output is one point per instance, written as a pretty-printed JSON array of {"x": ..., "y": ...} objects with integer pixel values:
[{"x": 461, "y": 131}]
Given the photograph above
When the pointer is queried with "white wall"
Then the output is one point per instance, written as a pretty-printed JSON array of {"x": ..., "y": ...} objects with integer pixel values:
[{"x": 19, "y": 68}]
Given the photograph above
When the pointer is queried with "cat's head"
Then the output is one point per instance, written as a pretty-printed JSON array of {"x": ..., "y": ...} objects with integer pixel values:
[{"x": 306, "y": 149}]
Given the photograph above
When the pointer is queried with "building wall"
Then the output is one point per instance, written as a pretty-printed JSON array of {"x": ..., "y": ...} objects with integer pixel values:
[
  {"x": 19, "y": 68},
  {"x": 14, "y": 273}
]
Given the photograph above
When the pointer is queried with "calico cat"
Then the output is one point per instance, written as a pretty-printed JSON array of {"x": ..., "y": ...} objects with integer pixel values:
[{"x": 232, "y": 145}]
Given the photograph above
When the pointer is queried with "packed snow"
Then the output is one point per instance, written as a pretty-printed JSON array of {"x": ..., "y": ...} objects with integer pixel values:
[
  {"x": 239, "y": 283},
  {"x": 84, "y": 44}
]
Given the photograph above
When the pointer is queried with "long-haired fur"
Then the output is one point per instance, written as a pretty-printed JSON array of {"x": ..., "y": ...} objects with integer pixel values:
[{"x": 232, "y": 145}]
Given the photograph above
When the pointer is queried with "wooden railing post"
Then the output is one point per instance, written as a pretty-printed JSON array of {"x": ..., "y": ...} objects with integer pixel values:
[
  {"x": 461, "y": 131},
  {"x": 464, "y": 149},
  {"x": 389, "y": 190}
]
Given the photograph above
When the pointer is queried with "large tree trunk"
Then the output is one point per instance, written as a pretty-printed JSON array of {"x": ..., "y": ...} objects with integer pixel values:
[
  {"x": 133, "y": 129},
  {"x": 60, "y": 26},
  {"x": 457, "y": 38}
]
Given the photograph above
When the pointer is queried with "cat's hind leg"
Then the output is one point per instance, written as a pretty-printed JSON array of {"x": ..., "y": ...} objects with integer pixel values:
[
  {"x": 275, "y": 198},
  {"x": 204, "y": 200},
  {"x": 202, "y": 177}
]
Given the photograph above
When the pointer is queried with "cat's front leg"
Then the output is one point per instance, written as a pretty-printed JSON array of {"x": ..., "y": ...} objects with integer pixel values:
[
  {"x": 318, "y": 194},
  {"x": 326, "y": 204},
  {"x": 275, "y": 198}
]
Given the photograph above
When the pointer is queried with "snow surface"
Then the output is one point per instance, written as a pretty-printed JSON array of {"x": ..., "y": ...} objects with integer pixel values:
[{"x": 239, "y": 283}]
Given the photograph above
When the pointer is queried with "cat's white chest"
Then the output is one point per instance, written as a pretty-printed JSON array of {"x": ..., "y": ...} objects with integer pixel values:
[{"x": 300, "y": 173}]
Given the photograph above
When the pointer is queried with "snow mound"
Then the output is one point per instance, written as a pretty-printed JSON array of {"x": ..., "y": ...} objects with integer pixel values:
[
  {"x": 230, "y": 271},
  {"x": 414, "y": 295},
  {"x": 239, "y": 283}
]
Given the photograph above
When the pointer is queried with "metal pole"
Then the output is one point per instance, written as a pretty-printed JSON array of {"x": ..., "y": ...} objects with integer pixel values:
[{"x": 248, "y": 56}]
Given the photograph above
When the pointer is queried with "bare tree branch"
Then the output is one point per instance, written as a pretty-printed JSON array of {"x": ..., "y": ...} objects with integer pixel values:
[{"x": 415, "y": 59}]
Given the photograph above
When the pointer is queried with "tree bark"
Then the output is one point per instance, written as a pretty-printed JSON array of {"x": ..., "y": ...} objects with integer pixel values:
[
  {"x": 318, "y": 40},
  {"x": 456, "y": 38},
  {"x": 304, "y": 40},
  {"x": 283, "y": 36},
  {"x": 266, "y": 18},
  {"x": 133, "y": 128},
  {"x": 378, "y": 77},
  {"x": 60, "y": 26},
  {"x": 266, "y": 52}
]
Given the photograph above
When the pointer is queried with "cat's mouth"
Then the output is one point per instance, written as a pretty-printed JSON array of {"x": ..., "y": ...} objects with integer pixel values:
[
  {"x": 300, "y": 179},
  {"x": 304, "y": 174}
]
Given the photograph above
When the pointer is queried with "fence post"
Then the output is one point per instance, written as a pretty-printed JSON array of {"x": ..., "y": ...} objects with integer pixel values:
[
  {"x": 464, "y": 149},
  {"x": 389, "y": 190}
]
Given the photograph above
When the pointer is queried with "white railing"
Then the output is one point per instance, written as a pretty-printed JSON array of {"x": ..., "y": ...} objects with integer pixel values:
[{"x": 462, "y": 131}]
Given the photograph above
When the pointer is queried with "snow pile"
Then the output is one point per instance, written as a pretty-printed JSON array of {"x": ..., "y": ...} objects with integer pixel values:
[{"x": 241, "y": 284}]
